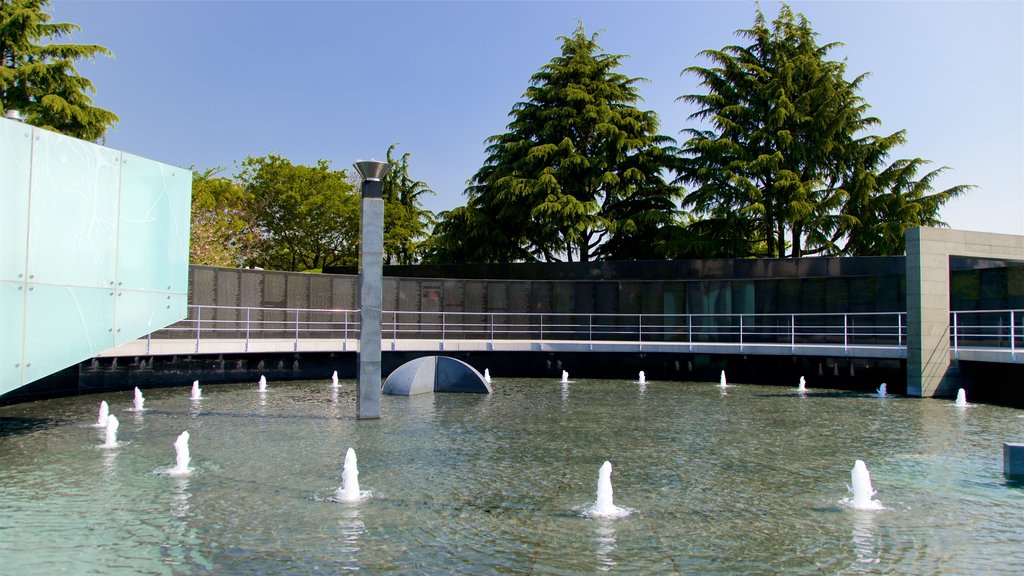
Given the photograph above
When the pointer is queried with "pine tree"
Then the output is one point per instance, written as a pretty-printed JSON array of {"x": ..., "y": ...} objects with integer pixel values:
[
  {"x": 577, "y": 176},
  {"x": 38, "y": 76},
  {"x": 785, "y": 163}
]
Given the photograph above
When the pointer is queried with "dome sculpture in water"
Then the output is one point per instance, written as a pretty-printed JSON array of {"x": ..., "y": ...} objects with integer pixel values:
[{"x": 435, "y": 374}]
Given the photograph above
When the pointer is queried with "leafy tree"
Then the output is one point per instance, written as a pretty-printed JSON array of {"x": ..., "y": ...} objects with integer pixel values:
[
  {"x": 577, "y": 176},
  {"x": 406, "y": 222},
  {"x": 306, "y": 217},
  {"x": 220, "y": 232},
  {"x": 773, "y": 172},
  {"x": 883, "y": 201},
  {"x": 38, "y": 76}
]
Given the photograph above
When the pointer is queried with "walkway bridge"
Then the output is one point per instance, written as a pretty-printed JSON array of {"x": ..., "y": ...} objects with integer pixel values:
[{"x": 988, "y": 335}]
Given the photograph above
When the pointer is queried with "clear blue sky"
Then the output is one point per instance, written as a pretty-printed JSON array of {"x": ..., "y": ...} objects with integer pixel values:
[{"x": 210, "y": 83}]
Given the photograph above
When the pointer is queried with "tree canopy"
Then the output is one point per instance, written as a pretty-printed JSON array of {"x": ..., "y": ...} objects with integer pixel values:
[
  {"x": 785, "y": 162},
  {"x": 305, "y": 217},
  {"x": 38, "y": 76},
  {"x": 577, "y": 176},
  {"x": 406, "y": 222}
]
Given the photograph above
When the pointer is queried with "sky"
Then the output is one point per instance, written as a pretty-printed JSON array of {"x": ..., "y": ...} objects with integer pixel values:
[{"x": 209, "y": 83}]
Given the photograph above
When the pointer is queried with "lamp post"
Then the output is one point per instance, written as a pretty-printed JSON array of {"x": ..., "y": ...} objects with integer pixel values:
[{"x": 371, "y": 281}]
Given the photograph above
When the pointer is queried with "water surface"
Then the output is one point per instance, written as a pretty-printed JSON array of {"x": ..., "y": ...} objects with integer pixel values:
[{"x": 750, "y": 481}]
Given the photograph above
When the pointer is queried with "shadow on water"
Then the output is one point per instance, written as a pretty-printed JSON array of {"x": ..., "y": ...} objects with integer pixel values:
[
  {"x": 256, "y": 415},
  {"x": 814, "y": 394},
  {"x": 13, "y": 426}
]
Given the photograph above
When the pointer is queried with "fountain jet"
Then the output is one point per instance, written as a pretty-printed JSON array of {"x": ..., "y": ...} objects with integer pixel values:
[
  {"x": 349, "y": 489},
  {"x": 643, "y": 378},
  {"x": 882, "y": 393},
  {"x": 139, "y": 400},
  {"x": 111, "y": 436},
  {"x": 263, "y": 383},
  {"x": 604, "y": 506},
  {"x": 721, "y": 381},
  {"x": 197, "y": 394},
  {"x": 862, "y": 490},
  {"x": 565, "y": 376},
  {"x": 334, "y": 379},
  {"x": 802, "y": 387},
  {"x": 181, "y": 455},
  {"x": 101, "y": 419},
  {"x": 961, "y": 398},
  {"x": 487, "y": 375}
]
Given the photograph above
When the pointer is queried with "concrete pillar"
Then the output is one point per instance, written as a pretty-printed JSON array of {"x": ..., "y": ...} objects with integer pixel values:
[
  {"x": 927, "y": 267},
  {"x": 1013, "y": 460},
  {"x": 929, "y": 369},
  {"x": 371, "y": 281}
]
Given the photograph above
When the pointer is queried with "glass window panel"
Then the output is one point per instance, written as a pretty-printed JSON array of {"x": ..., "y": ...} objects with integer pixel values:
[
  {"x": 12, "y": 305},
  {"x": 152, "y": 251},
  {"x": 15, "y": 169},
  {"x": 65, "y": 325},
  {"x": 140, "y": 313},
  {"x": 73, "y": 213}
]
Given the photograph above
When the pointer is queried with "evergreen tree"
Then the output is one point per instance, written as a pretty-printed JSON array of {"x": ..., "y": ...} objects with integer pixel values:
[
  {"x": 38, "y": 76},
  {"x": 785, "y": 144},
  {"x": 406, "y": 222},
  {"x": 577, "y": 176}
]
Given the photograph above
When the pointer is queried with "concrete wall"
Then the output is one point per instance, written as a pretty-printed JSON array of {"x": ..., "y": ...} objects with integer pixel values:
[{"x": 929, "y": 371}]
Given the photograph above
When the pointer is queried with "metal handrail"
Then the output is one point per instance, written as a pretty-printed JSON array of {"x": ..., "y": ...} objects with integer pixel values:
[
  {"x": 987, "y": 329},
  {"x": 851, "y": 329},
  {"x": 990, "y": 329}
]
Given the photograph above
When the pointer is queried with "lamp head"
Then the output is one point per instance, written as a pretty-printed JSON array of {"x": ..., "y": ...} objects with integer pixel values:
[{"x": 372, "y": 169}]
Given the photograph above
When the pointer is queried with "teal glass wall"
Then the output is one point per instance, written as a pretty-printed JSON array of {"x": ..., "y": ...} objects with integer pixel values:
[{"x": 93, "y": 250}]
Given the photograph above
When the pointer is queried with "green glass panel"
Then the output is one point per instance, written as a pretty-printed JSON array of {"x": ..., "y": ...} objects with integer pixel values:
[
  {"x": 65, "y": 325},
  {"x": 15, "y": 171},
  {"x": 154, "y": 221},
  {"x": 73, "y": 213},
  {"x": 12, "y": 309},
  {"x": 140, "y": 313}
]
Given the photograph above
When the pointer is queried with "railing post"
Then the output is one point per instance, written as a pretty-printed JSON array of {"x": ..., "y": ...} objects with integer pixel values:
[
  {"x": 956, "y": 336},
  {"x": 442, "y": 330},
  {"x": 640, "y": 331},
  {"x": 199, "y": 325},
  {"x": 247, "y": 328},
  {"x": 394, "y": 330},
  {"x": 1013, "y": 337},
  {"x": 792, "y": 332},
  {"x": 541, "y": 326},
  {"x": 689, "y": 331},
  {"x": 846, "y": 334},
  {"x": 899, "y": 331},
  {"x": 590, "y": 331},
  {"x": 296, "y": 346},
  {"x": 741, "y": 332},
  {"x": 490, "y": 327}
]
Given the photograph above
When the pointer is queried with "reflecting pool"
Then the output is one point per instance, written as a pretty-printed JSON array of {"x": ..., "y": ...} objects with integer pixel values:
[{"x": 745, "y": 479}]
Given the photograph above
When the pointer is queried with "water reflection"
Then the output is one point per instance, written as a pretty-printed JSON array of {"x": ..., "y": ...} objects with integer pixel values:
[
  {"x": 866, "y": 542},
  {"x": 350, "y": 529},
  {"x": 604, "y": 536},
  {"x": 180, "y": 497},
  {"x": 565, "y": 391},
  {"x": 109, "y": 460}
]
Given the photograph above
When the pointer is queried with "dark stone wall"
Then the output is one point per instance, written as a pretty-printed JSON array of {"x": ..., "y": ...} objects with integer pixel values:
[{"x": 721, "y": 286}]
